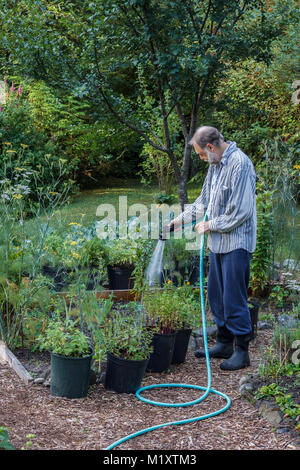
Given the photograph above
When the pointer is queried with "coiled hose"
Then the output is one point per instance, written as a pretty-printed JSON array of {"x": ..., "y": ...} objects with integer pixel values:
[{"x": 207, "y": 389}]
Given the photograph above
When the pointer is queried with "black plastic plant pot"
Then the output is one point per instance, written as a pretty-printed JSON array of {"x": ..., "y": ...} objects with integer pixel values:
[
  {"x": 120, "y": 277},
  {"x": 182, "y": 339},
  {"x": 60, "y": 276},
  {"x": 163, "y": 348},
  {"x": 124, "y": 375},
  {"x": 70, "y": 375},
  {"x": 254, "y": 308}
]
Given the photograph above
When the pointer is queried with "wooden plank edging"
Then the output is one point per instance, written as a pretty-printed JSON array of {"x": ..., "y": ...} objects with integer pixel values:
[{"x": 7, "y": 357}]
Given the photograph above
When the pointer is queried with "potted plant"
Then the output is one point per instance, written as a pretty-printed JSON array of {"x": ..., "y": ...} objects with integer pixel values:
[
  {"x": 56, "y": 271},
  {"x": 94, "y": 258},
  {"x": 71, "y": 356},
  {"x": 160, "y": 310},
  {"x": 121, "y": 263},
  {"x": 127, "y": 344}
]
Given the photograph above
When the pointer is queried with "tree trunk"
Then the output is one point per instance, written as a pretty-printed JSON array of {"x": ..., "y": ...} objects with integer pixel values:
[{"x": 182, "y": 192}]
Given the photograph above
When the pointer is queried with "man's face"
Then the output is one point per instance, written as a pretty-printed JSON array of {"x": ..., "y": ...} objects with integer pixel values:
[{"x": 208, "y": 154}]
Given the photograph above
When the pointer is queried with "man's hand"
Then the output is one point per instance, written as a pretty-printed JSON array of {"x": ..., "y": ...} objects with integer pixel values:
[{"x": 202, "y": 227}]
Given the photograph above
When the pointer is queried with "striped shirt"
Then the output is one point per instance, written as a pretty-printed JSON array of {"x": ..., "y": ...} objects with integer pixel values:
[{"x": 228, "y": 198}]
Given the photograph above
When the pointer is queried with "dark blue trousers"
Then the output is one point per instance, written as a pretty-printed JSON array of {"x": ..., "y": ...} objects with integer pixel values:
[{"x": 227, "y": 287}]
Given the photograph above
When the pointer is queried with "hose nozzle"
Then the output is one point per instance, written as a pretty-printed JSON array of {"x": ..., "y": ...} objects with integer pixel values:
[{"x": 163, "y": 234}]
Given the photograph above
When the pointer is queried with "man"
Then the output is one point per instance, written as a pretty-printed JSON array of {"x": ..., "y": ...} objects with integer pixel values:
[{"x": 228, "y": 198}]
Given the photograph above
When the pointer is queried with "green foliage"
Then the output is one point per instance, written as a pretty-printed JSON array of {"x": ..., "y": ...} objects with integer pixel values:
[
  {"x": 268, "y": 391},
  {"x": 278, "y": 295},
  {"x": 35, "y": 323},
  {"x": 100, "y": 51},
  {"x": 164, "y": 198},
  {"x": 4, "y": 439},
  {"x": 276, "y": 362},
  {"x": 94, "y": 252},
  {"x": 176, "y": 255},
  {"x": 29, "y": 442},
  {"x": 65, "y": 338},
  {"x": 169, "y": 308},
  {"x": 262, "y": 257},
  {"x": 278, "y": 172},
  {"x": 126, "y": 337},
  {"x": 285, "y": 402},
  {"x": 284, "y": 339},
  {"x": 31, "y": 148},
  {"x": 144, "y": 251},
  {"x": 253, "y": 100},
  {"x": 188, "y": 310},
  {"x": 122, "y": 252}
]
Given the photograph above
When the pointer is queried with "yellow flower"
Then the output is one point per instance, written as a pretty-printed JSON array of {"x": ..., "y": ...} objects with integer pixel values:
[
  {"x": 53, "y": 192},
  {"x": 76, "y": 255},
  {"x": 169, "y": 282},
  {"x": 75, "y": 223},
  {"x": 296, "y": 167},
  {"x": 188, "y": 283},
  {"x": 24, "y": 146},
  {"x": 7, "y": 143},
  {"x": 17, "y": 196},
  {"x": 73, "y": 243}
]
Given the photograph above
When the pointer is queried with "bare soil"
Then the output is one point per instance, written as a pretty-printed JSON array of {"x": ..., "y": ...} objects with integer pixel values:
[{"x": 103, "y": 417}]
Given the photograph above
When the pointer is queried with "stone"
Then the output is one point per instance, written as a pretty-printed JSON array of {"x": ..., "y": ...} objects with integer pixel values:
[
  {"x": 210, "y": 330},
  {"x": 264, "y": 325},
  {"x": 282, "y": 430},
  {"x": 246, "y": 389},
  {"x": 46, "y": 373},
  {"x": 243, "y": 380},
  {"x": 270, "y": 412},
  {"x": 192, "y": 343},
  {"x": 39, "y": 380},
  {"x": 296, "y": 94}
]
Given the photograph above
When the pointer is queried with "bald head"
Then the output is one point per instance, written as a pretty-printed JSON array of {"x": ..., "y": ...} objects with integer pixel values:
[{"x": 207, "y": 135}]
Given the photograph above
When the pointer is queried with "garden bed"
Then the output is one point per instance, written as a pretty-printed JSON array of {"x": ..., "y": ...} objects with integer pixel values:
[{"x": 103, "y": 417}]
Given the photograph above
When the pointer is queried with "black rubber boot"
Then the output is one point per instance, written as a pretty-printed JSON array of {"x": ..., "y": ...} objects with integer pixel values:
[
  {"x": 223, "y": 348},
  {"x": 240, "y": 358}
]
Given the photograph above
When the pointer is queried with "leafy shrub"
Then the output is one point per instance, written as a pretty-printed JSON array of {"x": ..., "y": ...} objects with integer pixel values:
[
  {"x": 126, "y": 337},
  {"x": 169, "y": 308},
  {"x": 36, "y": 152},
  {"x": 122, "y": 252},
  {"x": 262, "y": 257},
  {"x": 65, "y": 338}
]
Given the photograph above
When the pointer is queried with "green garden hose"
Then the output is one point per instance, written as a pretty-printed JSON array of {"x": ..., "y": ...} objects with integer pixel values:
[{"x": 207, "y": 389}]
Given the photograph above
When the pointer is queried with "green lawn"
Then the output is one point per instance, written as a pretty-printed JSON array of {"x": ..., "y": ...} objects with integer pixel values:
[{"x": 83, "y": 206}]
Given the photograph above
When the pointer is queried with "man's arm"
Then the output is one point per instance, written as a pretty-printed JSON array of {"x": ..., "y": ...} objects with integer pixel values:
[{"x": 194, "y": 211}]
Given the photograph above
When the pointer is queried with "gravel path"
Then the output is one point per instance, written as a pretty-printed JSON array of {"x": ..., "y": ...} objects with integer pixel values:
[{"x": 103, "y": 417}]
